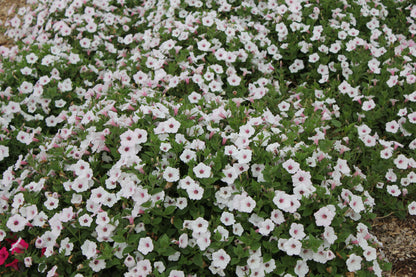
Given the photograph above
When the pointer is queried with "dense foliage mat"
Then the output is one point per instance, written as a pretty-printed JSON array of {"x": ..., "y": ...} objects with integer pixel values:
[{"x": 197, "y": 138}]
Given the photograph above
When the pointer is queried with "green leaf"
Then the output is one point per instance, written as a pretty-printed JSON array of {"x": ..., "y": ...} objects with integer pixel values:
[{"x": 169, "y": 210}]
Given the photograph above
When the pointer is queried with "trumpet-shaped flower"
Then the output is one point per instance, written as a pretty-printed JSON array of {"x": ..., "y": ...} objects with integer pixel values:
[{"x": 145, "y": 245}]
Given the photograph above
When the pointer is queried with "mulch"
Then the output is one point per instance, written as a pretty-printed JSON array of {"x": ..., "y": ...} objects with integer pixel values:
[{"x": 399, "y": 243}]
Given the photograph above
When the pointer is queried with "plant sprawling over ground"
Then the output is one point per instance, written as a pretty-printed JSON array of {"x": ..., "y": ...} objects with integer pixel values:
[{"x": 197, "y": 138}]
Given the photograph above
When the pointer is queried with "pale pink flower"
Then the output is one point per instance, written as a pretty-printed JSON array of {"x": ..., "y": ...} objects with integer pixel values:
[
  {"x": 302, "y": 178},
  {"x": 183, "y": 240},
  {"x": 204, "y": 45},
  {"x": 277, "y": 216},
  {"x": 329, "y": 234},
  {"x": 220, "y": 259},
  {"x": 176, "y": 273},
  {"x": 266, "y": 227},
  {"x": 401, "y": 162},
  {"x": 199, "y": 225},
  {"x": 369, "y": 141},
  {"x": 187, "y": 155},
  {"x": 393, "y": 190},
  {"x": 368, "y": 105},
  {"x": 324, "y": 216},
  {"x": 89, "y": 249},
  {"x": 370, "y": 253},
  {"x": 391, "y": 176},
  {"x": 392, "y": 126},
  {"x": 281, "y": 199},
  {"x": 412, "y": 117},
  {"x": 386, "y": 153},
  {"x": 269, "y": 266},
  {"x": 296, "y": 231},
  {"x": 194, "y": 97},
  {"x": 292, "y": 247},
  {"x": 204, "y": 240},
  {"x": 171, "y": 174},
  {"x": 247, "y": 204},
  {"x": 356, "y": 203},
  {"x": 234, "y": 80},
  {"x": 291, "y": 166},
  {"x": 227, "y": 218},
  {"x": 230, "y": 175},
  {"x": 243, "y": 156},
  {"x": 301, "y": 268}
]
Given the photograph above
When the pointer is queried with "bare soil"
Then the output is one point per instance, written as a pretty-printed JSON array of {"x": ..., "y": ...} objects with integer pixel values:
[{"x": 8, "y": 9}]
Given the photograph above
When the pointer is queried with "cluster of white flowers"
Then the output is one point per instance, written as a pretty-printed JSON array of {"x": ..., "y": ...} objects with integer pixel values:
[{"x": 228, "y": 116}]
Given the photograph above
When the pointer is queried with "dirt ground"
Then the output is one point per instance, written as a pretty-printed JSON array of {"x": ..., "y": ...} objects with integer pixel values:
[
  {"x": 398, "y": 236},
  {"x": 7, "y": 11}
]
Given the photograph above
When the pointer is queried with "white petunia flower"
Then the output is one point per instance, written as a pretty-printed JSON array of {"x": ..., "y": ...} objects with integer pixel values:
[
  {"x": 145, "y": 245},
  {"x": 354, "y": 263},
  {"x": 202, "y": 171}
]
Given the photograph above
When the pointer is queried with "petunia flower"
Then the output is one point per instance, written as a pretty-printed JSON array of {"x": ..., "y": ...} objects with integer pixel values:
[
  {"x": 171, "y": 174},
  {"x": 325, "y": 215},
  {"x": 220, "y": 259},
  {"x": 202, "y": 171},
  {"x": 145, "y": 245},
  {"x": 16, "y": 223},
  {"x": 3, "y": 255}
]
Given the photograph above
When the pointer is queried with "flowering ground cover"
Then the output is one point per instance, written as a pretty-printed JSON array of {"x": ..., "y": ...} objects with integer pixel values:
[{"x": 176, "y": 138}]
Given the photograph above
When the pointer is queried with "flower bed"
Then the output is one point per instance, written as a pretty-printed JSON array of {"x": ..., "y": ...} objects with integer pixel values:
[{"x": 173, "y": 138}]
